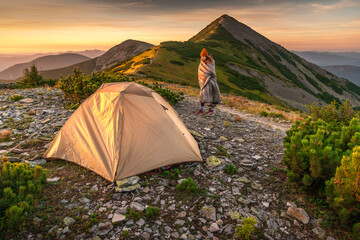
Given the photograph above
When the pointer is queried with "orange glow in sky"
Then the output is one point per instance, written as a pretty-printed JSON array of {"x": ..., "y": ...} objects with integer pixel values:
[{"x": 30, "y": 26}]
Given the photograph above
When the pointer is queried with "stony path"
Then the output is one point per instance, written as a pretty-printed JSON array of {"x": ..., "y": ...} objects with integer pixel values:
[{"x": 82, "y": 205}]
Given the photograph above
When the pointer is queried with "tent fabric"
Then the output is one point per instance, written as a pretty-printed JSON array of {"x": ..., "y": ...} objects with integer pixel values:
[{"x": 124, "y": 129}]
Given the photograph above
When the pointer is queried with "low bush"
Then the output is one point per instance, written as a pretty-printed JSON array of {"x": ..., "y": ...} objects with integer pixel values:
[
  {"x": 187, "y": 185},
  {"x": 16, "y": 98},
  {"x": 19, "y": 186},
  {"x": 246, "y": 229},
  {"x": 151, "y": 212},
  {"x": 322, "y": 155},
  {"x": 230, "y": 169},
  {"x": 79, "y": 86},
  {"x": 176, "y": 62}
]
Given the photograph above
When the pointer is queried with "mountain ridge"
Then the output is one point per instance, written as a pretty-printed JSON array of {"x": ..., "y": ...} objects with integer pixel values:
[
  {"x": 127, "y": 49},
  {"x": 43, "y": 63},
  {"x": 248, "y": 64}
]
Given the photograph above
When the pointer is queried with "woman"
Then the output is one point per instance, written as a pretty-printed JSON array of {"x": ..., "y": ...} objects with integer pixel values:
[{"x": 209, "y": 89}]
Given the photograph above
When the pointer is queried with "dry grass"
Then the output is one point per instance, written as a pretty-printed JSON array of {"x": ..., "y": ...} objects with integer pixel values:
[
  {"x": 238, "y": 102},
  {"x": 5, "y": 135}
]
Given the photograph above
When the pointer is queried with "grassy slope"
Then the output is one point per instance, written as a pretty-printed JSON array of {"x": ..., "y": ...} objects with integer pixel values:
[{"x": 178, "y": 62}]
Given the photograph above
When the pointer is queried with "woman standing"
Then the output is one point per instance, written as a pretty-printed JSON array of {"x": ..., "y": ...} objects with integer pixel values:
[{"x": 209, "y": 89}]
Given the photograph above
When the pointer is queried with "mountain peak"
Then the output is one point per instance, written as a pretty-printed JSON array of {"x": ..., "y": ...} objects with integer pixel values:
[{"x": 237, "y": 29}]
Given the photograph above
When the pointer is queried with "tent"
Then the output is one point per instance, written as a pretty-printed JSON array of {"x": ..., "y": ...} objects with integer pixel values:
[{"x": 124, "y": 129}]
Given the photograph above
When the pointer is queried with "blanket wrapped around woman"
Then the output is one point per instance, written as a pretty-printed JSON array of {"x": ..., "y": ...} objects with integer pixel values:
[{"x": 209, "y": 89}]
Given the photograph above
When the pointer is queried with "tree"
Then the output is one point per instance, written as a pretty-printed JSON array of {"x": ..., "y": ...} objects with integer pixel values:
[{"x": 32, "y": 77}]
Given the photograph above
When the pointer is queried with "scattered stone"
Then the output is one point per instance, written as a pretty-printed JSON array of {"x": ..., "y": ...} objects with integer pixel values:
[
  {"x": 214, "y": 227},
  {"x": 52, "y": 180},
  {"x": 84, "y": 200},
  {"x": 26, "y": 100},
  {"x": 103, "y": 228},
  {"x": 118, "y": 218},
  {"x": 298, "y": 213},
  {"x": 256, "y": 186},
  {"x": 319, "y": 232},
  {"x": 247, "y": 163},
  {"x": 234, "y": 215},
  {"x": 94, "y": 188},
  {"x": 137, "y": 206},
  {"x": 213, "y": 161},
  {"x": 128, "y": 188},
  {"x": 68, "y": 221},
  {"x": 128, "y": 181},
  {"x": 209, "y": 212}
]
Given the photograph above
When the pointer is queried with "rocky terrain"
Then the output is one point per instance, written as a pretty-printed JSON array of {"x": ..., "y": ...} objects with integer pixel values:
[{"x": 78, "y": 204}]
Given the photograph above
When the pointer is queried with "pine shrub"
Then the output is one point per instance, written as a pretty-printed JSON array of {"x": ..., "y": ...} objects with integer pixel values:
[
  {"x": 19, "y": 184},
  {"x": 343, "y": 190}
]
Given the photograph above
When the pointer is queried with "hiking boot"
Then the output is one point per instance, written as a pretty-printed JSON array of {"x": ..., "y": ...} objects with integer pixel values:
[
  {"x": 210, "y": 111},
  {"x": 200, "y": 112}
]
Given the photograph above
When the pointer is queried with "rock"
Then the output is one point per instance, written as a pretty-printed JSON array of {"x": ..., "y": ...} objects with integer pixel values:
[
  {"x": 298, "y": 213},
  {"x": 6, "y": 144},
  {"x": 84, "y": 200},
  {"x": 266, "y": 204},
  {"x": 52, "y": 180},
  {"x": 35, "y": 163},
  {"x": 172, "y": 207},
  {"x": 214, "y": 228},
  {"x": 37, "y": 220},
  {"x": 209, "y": 212},
  {"x": 68, "y": 221},
  {"x": 175, "y": 235},
  {"x": 53, "y": 229},
  {"x": 179, "y": 222},
  {"x": 118, "y": 218},
  {"x": 80, "y": 236},
  {"x": 213, "y": 161},
  {"x": 26, "y": 100},
  {"x": 128, "y": 188},
  {"x": 66, "y": 230},
  {"x": 257, "y": 157},
  {"x": 243, "y": 180},
  {"x": 103, "y": 228},
  {"x": 182, "y": 214},
  {"x": 14, "y": 159},
  {"x": 94, "y": 188},
  {"x": 256, "y": 186},
  {"x": 141, "y": 222},
  {"x": 137, "y": 206},
  {"x": 319, "y": 232},
  {"x": 3, "y": 152},
  {"x": 128, "y": 181},
  {"x": 247, "y": 163},
  {"x": 234, "y": 215}
]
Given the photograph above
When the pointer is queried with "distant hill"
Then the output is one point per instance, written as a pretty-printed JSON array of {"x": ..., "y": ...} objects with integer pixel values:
[
  {"x": 331, "y": 58},
  {"x": 8, "y": 60},
  {"x": 351, "y": 73},
  {"x": 116, "y": 54},
  {"x": 247, "y": 64},
  {"x": 43, "y": 63}
]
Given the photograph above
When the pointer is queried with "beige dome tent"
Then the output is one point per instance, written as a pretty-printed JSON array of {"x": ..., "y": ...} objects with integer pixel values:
[{"x": 124, "y": 129}]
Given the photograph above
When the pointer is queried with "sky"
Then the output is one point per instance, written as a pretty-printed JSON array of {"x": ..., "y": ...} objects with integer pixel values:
[{"x": 32, "y": 26}]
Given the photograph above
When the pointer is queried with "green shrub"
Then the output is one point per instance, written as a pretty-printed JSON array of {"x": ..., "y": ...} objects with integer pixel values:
[
  {"x": 322, "y": 154},
  {"x": 223, "y": 151},
  {"x": 264, "y": 114},
  {"x": 343, "y": 190},
  {"x": 246, "y": 229},
  {"x": 78, "y": 86},
  {"x": 230, "y": 169},
  {"x": 16, "y": 98},
  {"x": 176, "y": 62},
  {"x": 188, "y": 186},
  {"x": 133, "y": 214},
  {"x": 19, "y": 184},
  {"x": 151, "y": 212}
]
